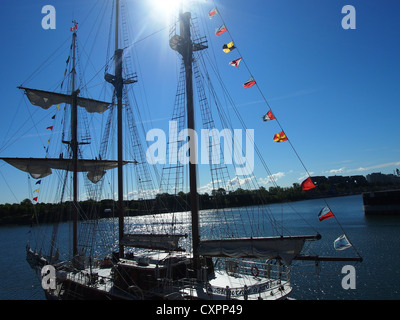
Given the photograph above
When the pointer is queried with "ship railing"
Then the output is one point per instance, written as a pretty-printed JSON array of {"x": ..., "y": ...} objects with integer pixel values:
[
  {"x": 269, "y": 269},
  {"x": 94, "y": 279}
]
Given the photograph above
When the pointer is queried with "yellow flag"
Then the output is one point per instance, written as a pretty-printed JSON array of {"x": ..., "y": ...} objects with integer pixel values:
[
  {"x": 37, "y": 190},
  {"x": 228, "y": 47},
  {"x": 58, "y": 107}
]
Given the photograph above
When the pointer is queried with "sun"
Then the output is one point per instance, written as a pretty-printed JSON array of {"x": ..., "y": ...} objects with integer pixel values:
[{"x": 165, "y": 9}]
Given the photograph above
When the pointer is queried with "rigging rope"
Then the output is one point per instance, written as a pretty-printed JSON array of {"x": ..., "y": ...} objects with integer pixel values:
[{"x": 279, "y": 124}]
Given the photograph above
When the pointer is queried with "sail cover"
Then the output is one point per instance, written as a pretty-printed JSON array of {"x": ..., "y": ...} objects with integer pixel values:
[
  {"x": 153, "y": 241},
  {"x": 46, "y": 99},
  {"x": 41, "y": 167},
  {"x": 258, "y": 248}
]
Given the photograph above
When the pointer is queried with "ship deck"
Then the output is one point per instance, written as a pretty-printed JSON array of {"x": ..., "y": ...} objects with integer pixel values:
[{"x": 225, "y": 286}]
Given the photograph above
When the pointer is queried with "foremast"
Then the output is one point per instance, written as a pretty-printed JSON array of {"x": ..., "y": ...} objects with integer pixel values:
[
  {"x": 41, "y": 167},
  {"x": 118, "y": 82}
]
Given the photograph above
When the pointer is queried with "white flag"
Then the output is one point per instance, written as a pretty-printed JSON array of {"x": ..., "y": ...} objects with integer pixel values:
[{"x": 341, "y": 243}]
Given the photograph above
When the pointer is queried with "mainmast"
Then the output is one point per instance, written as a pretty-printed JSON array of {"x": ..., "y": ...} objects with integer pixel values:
[
  {"x": 194, "y": 200},
  {"x": 184, "y": 45},
  {"x": 118, "y": 84},
  {"x": 74, "y": 147}
]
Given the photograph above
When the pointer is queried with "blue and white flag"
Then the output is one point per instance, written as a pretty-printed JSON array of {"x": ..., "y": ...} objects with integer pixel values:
[{"x": 341, "y": 243}]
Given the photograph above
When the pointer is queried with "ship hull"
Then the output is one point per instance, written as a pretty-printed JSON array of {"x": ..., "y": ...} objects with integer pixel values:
[
  {"x": 133, "y": 280},
  {"x": 382, "y": 203}
]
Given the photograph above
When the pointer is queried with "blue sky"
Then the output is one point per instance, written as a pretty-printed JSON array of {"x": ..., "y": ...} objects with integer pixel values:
[{"x": 335, "y": 92}]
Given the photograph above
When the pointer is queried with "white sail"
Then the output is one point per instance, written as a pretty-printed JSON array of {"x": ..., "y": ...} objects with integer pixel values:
[
  {"x": 46, "y": 99},
  {"x": 259, "y": 248},
  {"x": 41, "y": 167},
  {"x": 153, "y": 241}
]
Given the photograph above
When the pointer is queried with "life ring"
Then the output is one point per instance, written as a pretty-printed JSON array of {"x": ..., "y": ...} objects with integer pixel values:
[{"x": 254, "y": 271}]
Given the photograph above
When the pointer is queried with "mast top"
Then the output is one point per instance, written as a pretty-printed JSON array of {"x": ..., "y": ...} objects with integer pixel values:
[{"x": 74, "y": 28}]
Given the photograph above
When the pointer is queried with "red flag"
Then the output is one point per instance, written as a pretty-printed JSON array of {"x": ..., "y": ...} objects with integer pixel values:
[
  {"x": 35, "y": 199},
  {"x": 280, "y": 137},
  {"x": 212, "y": 13},
  {"x": 269, "y": 116},
  {"x": 75, "y": 27},
  {"x": 51, "y": 128},
  {"x": 307, "y": 184},
  {"x": 235, "y": 63},
  {"x": 249, "y": 83},
  {"x": 325, "y": 213},
  {"x": 220, "y": 30}
]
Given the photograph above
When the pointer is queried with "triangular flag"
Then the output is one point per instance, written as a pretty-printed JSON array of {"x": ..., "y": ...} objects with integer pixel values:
[
  {"x": 212, "y": 13},
  {"x": 325, "y": 214},
  {"x": 53, "y": 117},
  {"x": 341, "y": 243},
  {"x": 268, "y": 116},
  {"x": 249, "y": 83},
  {"x": 37, "y": 190},
  {"x": 307, "y": 184},
  {"x": 58, "y": 107},
  {"x": 35, "y": 199},
  {"x": 228, "y": 47},
  {"x": 38, "y": 182},
  {"x": 51, "y": 128},
  {"x": 220, "y": 30},
  {"x": 280, "y": 137},
  {"x": 235, "y": 63},
  {"x": 48, "y": 141}
]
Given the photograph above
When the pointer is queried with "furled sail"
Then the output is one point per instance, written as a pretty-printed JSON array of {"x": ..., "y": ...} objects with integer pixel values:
[
  {"x": 41, "y": 167},
  {"x": 46, "y": 99},
  {"x": 153, "y": 241},
  {"x": 285, "y": 248}
]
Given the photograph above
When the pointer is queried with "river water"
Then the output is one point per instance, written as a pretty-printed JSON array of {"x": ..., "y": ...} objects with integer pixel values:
[{"x": 376, "y": 239}]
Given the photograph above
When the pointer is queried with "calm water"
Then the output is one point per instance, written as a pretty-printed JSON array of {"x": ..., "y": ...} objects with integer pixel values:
[{"x": 376, "y": 239}]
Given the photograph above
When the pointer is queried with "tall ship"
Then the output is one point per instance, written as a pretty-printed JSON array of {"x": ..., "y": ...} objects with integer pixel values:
[{"x": 173, "y": 242}]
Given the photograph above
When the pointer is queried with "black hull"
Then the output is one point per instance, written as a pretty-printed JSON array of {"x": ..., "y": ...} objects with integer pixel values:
[
  {"x": 75, "y": 291},
  {"x": 382, "y": 203}
]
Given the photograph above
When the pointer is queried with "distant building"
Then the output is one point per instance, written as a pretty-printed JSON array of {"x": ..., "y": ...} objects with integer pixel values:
[
  {"x": 333, "y": 180},
  {"x": 358, "y": 180},
  {"x": 378, "y": 177},
  {"x": 318, "y": 180}
]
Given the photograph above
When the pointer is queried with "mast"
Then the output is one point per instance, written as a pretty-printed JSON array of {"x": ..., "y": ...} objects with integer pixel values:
[
  {"x": 74, "y": 146},
  {"x": 118, "y": 84},
  {"x": 185, "y": 48},
  {"x": 194, "y": 200},
  {"x": 184, "y": 45}
]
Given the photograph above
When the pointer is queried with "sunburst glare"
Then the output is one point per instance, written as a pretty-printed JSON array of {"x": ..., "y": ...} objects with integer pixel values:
[{"x": 164, "y": 10}]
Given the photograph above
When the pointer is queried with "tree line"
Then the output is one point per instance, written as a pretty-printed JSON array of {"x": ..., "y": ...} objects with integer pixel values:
[{"x": 27, "y": 212}]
